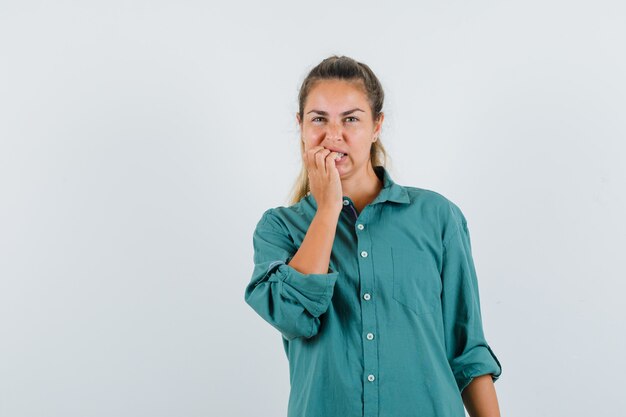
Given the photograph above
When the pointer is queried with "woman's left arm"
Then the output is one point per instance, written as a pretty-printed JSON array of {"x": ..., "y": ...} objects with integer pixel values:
[
  {"x": 480, "y": 397},
  {"x": 472, "y": 361}
]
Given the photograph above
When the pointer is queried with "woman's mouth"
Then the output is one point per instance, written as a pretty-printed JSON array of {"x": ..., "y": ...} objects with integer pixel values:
[{"x": 340, "y": 157}]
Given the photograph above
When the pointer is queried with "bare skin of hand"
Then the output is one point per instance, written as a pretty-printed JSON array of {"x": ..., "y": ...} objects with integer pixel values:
[
  {"x": 324, "y": 180},
  {"x": 480, "y": 397}
]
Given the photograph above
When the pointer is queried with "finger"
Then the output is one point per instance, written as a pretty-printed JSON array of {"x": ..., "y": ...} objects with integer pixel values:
[
  {"x": 320, "y": 158},
  {"x": 331, "y": 162},
  {"x": 309, "y": 154},
  {"x": 309, "y": 158}
]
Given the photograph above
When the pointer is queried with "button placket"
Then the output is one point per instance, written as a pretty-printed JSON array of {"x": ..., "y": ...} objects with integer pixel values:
[
  {"x": 368, "y": 312},
  {"x": 348, "y": 204}
]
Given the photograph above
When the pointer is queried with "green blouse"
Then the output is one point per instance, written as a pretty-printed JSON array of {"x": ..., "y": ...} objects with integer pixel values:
[{"x": 394, "y": 328}]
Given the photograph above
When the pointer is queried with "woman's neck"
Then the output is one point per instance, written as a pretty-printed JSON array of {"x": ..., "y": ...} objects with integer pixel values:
[{"x": 362, "y": 189}]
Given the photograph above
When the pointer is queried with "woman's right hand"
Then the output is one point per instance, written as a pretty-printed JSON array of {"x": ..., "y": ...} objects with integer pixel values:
[{"x": 324, "y": 180}]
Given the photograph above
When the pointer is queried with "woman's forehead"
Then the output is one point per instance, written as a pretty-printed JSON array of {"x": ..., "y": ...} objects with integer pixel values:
[{"x": 336, "y": 93}]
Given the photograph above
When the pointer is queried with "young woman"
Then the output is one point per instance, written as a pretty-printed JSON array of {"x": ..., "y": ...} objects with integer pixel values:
[{"x": 370, "y": 283}]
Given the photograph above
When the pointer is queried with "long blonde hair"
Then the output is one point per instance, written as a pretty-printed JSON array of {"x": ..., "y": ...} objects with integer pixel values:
[{"x": 345, "y": 68}]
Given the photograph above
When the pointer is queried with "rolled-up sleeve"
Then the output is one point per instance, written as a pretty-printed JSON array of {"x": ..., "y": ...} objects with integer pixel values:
[
  {"x": 467, "y": 350},
  {"x": 289, "y": 300}
]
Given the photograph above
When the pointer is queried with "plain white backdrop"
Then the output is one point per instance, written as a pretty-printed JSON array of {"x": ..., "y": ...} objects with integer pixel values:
[{"x": 140, "y": 142}]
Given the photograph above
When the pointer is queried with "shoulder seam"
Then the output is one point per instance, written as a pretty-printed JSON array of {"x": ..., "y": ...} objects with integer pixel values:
[
  {"x": 276, "y": 227},
  {"x": 458, "y": 223},
  {"x": 264, "y": 216}
]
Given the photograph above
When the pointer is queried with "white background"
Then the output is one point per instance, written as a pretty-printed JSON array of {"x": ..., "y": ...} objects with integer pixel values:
[{"x": 140, "y": 142}]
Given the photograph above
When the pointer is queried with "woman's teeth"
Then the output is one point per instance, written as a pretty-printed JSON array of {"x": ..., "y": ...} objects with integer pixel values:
[{"x": 339, "y": 155}]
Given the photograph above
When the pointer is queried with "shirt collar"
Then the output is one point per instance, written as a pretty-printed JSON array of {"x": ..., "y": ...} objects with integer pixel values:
[{"x": 390, "y": 191}]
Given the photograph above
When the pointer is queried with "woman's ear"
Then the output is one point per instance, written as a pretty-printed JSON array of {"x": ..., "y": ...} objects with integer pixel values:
[
  {"x": 300, "y": 125},
  {"x": 379, "y": 124}
]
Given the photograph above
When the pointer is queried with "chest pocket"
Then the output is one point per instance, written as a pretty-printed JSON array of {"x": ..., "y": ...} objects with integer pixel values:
[{"x": 416, "y": 280}]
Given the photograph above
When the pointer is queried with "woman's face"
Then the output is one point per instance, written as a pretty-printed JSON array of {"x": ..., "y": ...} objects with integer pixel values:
[{"x": 337, "y": 116}]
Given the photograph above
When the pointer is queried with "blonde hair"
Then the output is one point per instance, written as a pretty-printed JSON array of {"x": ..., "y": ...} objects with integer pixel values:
[{"x": 344, "y": 68}]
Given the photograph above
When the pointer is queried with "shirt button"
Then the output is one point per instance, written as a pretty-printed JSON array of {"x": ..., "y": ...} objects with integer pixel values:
[
  {"x": 346, "y": 202},
  {"x": 371, "y": 377},
  {"x": 360, "y": 226},
  {"x": 370, "y": 336},
  {"x": 366, "y": 296},
  {"x": 364, "y": 254}
]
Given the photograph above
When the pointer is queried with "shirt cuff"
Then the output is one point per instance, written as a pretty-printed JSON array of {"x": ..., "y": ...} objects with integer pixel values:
[
  {"x": 479, "y": 361},
  {"x": 313, "y": 291}
]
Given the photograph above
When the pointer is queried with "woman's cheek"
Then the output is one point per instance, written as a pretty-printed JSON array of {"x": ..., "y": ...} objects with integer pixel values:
[{"x": 317, "y": 134}]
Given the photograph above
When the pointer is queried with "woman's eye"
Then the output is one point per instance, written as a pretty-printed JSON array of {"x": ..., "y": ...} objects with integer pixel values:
[
  {"x": 352, "y": 119},
  {"x": 317, "y": 119}
]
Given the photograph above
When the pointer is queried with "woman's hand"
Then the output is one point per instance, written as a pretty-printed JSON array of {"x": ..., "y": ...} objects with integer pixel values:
[{"x": 324, "y": 180}]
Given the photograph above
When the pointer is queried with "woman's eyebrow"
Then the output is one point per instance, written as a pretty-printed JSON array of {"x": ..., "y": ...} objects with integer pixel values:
[{"x": 323, "y": 113}]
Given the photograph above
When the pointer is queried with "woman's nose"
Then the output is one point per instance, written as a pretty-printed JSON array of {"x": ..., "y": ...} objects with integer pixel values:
[{"x": 333, "y": 131}]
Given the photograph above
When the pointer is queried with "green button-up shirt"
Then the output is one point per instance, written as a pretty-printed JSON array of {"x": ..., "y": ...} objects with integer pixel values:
[{"x": 394, "y": 328}]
